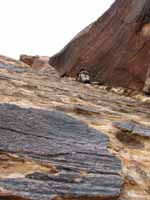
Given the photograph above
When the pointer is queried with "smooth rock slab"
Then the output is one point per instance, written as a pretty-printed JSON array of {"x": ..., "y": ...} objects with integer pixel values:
[{"x": 85, "y": 168}]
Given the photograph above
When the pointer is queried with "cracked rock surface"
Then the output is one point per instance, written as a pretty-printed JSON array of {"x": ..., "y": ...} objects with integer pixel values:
[
  {"x": 100, "y": 127},
  {"x": 82, "y": 165}
]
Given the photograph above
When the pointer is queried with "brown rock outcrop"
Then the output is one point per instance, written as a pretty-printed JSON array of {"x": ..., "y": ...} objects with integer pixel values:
[
  {"x": 29, "y": 60},
  {"x": 36, "y": 62},
  {"x": 114, "y": 49}
]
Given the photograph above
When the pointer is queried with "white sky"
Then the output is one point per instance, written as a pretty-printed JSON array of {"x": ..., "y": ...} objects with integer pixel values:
[{"x": 43, "y": 27}]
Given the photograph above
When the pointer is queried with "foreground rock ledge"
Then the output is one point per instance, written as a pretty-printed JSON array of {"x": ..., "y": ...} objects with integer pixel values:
[{"x": 80, "y": 166}]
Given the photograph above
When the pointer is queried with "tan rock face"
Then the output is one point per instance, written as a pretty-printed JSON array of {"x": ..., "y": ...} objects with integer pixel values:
[
  {"x": 93, "y": 105},
  {"x": 147, "y": 83}
]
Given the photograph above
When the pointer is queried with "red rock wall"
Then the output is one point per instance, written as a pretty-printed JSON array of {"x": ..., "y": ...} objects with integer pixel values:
[{"x": 114, "y": 49}]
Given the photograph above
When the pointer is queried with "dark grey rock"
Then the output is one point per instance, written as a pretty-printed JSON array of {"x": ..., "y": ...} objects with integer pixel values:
[{"x": 68, "y": 144}]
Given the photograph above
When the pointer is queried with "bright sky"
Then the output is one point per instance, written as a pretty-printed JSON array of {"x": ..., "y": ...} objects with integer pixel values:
[{"x": 43, "y": 27}]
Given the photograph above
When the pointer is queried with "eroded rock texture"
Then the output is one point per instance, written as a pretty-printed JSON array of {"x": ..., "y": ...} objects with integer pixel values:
[
  {"x": 36, "y": 62},
  {"x": 84, "y": 167},
  {"x": 114, "y": 49},
  {"x": 29, "y": 60},
  {"x": 147, "y": 82},
  {"x": 12, "y": 64},
  {"x": 39, "y": 93}
]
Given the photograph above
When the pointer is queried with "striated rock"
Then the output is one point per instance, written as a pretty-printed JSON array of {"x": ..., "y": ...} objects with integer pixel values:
[
  {"x": 114, "y": 49},
  {"x": 133, "y": 128},
  {"x": 42, "y": 92},
  {"x": 12, "y": 64},
  {"x": 85, "y": 168}
]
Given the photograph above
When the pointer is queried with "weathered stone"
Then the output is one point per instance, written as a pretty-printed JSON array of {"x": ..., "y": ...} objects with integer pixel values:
[
  {"x": 99, "y": 107},
  {"x": 130, "y": 140},
  {"x": 146, "y": 89},
  {"x": 12, "y": 64},
  {"x": 36, "y": 62},
  {"x": 114, "y": 49},
  {"x": 66, "y": 143},
  {"x": 133, "y": 128},
  {"x": 29, "y": 60}
]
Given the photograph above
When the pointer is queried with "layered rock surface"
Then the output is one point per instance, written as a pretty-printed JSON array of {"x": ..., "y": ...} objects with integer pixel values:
[
  {"x": 76, "y": 157},
  {"x": 42, "y": 91}
]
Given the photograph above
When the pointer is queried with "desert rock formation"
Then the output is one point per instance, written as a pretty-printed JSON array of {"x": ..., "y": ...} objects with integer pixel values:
[
  {"x": 39, "y": 96},
  {"x": 114, "y": 49}
]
